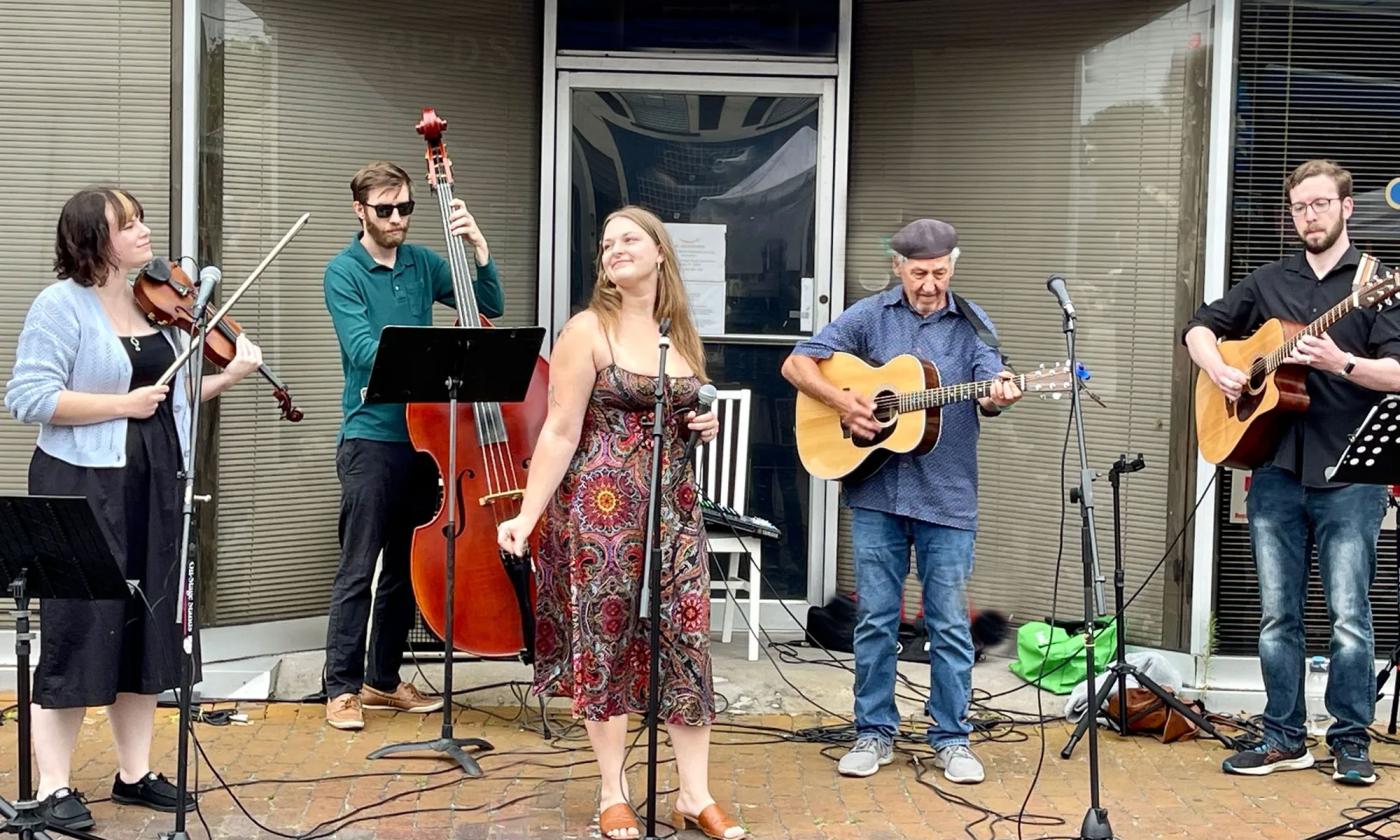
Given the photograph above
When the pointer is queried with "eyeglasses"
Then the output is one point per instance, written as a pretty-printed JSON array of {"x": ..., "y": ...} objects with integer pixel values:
[
  {"x": 384, "y": 211},
  {"x": 1319, "y": 206}
]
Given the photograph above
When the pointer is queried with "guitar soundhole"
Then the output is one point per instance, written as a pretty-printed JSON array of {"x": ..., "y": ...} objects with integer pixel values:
[
  {"x": 1257, "y": 376},
  {"x": 886, "y": 407}
]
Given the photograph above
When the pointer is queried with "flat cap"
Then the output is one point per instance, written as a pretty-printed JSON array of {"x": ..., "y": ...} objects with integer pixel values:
[{"x": 925, "y": 239}]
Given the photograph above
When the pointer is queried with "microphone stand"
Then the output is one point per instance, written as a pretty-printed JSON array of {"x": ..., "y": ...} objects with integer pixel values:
[
  {"x": 1095, "y": 825},
  {"x": 189, "y": 553},
  {"x": 649, "y": 604},
  {"x": 189, "y": 558}
]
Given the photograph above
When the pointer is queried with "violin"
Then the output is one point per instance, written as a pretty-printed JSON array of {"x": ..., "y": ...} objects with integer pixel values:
[{"x": 166, "y": 294}]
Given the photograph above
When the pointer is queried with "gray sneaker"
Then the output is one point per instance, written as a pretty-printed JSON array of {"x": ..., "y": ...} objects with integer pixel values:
[
  {"x": 959, "y": 764},
  {"x": 870, "y": 753}
]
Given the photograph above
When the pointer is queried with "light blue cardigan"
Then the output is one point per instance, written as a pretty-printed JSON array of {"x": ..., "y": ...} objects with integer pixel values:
[{"x": 68, "y": 344}]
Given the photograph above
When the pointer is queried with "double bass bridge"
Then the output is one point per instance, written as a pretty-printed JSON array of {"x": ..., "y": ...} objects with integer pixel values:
[{"x": 492, "y": 498}]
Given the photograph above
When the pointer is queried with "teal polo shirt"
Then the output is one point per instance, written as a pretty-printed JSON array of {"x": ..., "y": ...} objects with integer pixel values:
[{"x": 364, "y": 297}]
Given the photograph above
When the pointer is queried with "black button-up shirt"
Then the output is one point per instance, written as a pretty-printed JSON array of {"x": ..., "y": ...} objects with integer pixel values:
[{"x": 1288, "y": 289}]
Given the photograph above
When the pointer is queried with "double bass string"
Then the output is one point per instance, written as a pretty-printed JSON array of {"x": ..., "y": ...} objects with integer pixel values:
[{"x": 491, "y": 433}]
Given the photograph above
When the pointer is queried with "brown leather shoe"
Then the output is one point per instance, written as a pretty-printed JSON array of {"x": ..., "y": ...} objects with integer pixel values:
[
  {"x": 406, "y": 698},
  {"x": 344, "y": 712},
  {"x": 616, "y": 821},
  {"x": 712, "y": 822}
]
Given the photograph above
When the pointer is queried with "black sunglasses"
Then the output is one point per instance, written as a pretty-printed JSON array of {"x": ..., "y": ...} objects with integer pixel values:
[{"x": 384, "y": 211}]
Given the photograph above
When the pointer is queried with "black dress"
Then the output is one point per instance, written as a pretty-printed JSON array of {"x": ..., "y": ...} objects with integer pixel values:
[{"x": 92, "y": 650}]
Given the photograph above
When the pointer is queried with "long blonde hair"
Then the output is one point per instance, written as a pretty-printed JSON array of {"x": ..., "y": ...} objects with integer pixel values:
[{"x": 671, "y": 301}]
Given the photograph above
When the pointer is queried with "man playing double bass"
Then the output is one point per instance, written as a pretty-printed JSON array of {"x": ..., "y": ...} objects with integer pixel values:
[{"x": 387, "y": 487}]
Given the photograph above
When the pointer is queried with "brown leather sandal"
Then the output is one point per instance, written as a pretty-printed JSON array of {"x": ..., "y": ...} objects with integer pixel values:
[
  {"x": 616, "y": 819},
  {"x": 712, "y": 822}
]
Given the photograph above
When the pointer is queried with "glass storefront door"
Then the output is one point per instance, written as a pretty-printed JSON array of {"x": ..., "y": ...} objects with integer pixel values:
[{"x": 740, "y": 171}]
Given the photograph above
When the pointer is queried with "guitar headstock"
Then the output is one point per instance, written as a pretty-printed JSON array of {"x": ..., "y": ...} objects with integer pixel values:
[
  {"x": 431, "y": 126},
  {"x": 1053, "y": 381},
  {"x": 1380, "y": 290}
]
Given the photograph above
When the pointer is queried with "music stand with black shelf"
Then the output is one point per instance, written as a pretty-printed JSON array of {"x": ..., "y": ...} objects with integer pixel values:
[
  {"x": 1372, "y": 457},
  {"x": 451, "y": 365},
  {"x": 50, "y": 547}
]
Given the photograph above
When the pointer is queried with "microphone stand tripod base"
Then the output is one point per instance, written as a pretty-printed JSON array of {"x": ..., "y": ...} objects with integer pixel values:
[
  {"x": 1096, "y": 825},
  {"x": 449, "y": 747}
]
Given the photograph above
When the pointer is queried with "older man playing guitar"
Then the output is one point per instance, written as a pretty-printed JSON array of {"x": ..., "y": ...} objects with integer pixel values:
[{"x": 928, "y": 501}]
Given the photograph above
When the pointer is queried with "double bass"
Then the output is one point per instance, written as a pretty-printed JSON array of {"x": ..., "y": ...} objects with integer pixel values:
[{"x": 493, "y": 592}]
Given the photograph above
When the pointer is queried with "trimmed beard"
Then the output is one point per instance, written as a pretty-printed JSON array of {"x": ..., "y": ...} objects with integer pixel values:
[
  {"x": 1329, "y": 238},
  {"x": 383, "y": 238}
]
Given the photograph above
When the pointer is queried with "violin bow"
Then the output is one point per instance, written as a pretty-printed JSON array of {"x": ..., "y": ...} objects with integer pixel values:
[{"x": 233, "y": 298}]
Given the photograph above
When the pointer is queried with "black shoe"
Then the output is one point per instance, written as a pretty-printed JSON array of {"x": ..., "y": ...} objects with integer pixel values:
[
  {"x": 1264, "y": 759},
  {"x": 1354, "y": 765},
  {"x": 64, "y": 808},
  {"x": 153, "y": 791}
]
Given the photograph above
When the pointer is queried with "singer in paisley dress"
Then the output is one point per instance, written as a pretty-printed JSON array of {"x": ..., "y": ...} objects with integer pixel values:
[
  {"x": 590, "y": 479},
  {"x": 589, "y": 643}
]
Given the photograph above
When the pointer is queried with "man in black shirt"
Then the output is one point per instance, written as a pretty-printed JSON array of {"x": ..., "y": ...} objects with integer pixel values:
[{"x": 1290, "y": 500}]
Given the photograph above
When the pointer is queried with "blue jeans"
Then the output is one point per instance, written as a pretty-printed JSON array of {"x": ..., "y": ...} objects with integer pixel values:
[
  {"x": 882, "y": 542},
  {"x": 1345, "y": 522}
]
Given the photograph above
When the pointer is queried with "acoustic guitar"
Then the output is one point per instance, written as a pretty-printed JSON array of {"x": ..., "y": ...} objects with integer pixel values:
[
  {"x": 908, "y": 400},
  {"x": 1245, "y": 433}
]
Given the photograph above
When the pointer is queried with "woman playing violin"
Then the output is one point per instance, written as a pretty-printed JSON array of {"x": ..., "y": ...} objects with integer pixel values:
[
  {"x": 595, "y": 451},
  {"x": 85, "y": 371}
]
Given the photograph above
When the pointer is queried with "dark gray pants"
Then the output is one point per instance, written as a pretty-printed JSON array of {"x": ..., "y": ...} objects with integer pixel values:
[{"x": 386, "y": 490}]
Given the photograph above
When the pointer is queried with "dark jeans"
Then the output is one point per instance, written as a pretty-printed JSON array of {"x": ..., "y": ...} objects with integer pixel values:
[
  {"x": 386, "y": 490},
  {"x": 1284, "y": 517}
]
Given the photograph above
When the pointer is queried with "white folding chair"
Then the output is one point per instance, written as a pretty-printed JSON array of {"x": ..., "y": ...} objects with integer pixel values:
[{"x": 722, "y": 470}]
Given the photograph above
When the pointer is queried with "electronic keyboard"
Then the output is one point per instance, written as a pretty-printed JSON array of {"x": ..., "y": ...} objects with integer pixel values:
[{"x": 723, "y": 518}]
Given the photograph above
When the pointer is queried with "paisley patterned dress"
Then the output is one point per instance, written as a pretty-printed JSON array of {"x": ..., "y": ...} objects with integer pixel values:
[{"x": 590, "y": 643}]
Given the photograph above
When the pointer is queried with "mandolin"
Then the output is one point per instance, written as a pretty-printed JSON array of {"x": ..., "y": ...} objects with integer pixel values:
[
  {"x": 1245, "y": 433},
  {"x": 908, "y": 399}
]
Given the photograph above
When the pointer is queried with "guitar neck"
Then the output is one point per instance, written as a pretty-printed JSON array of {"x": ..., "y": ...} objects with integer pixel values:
[
  {"x": 947, "y": 394},
  {"x": 1316, "y": 328}
]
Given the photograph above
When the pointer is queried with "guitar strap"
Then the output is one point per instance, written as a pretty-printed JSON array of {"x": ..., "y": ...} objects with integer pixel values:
[{"x": 980, "y": 327}]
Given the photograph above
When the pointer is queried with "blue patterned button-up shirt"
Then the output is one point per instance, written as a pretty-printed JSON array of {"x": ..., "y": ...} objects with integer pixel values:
[{"x": 940, "y": 487}]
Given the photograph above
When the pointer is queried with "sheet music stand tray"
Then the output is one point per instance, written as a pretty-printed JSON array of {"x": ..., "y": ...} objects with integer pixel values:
[
  {"x": 50, "y": 547},
  {"x": 1372, "y": 457},
  {"x": 451, "y": 365}
]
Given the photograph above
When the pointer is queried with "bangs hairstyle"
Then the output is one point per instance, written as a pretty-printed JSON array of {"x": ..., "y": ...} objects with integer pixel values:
[
  {"x": 1309, "y": 168},
  {"x": 377, "y": 176},
  {"x": 83, "y": 245}
]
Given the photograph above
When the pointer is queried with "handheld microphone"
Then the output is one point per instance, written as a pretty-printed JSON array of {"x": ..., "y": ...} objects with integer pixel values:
[
  {"x": 708, "y": 394},
  {"x": 209, "y": 277},
  {"x": 1056, "y": 285}
]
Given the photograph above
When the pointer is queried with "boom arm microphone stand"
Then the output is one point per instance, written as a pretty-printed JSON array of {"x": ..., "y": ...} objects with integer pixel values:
[
  {"x": 1121, "y": 669},
  {"x": 1095, "y": 825},
  {"x": 650, "y": 600}
]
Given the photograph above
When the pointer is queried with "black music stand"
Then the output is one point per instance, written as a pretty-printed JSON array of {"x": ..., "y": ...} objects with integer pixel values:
[
  {"x": 451, "y": 365},
  {"x": 50, "y": 547},
  {"x": 1372, "y": 457}
]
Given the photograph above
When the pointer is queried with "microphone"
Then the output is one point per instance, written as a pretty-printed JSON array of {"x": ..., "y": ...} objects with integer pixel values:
[
  {"x": 209, "y": 277},
  {"x": 1056, "y": 285},
  {"x": 708, "y": 394}
]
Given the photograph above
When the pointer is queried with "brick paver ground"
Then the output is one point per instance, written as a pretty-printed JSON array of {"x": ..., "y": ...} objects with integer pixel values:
[{"x": 534, "y": 788}]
